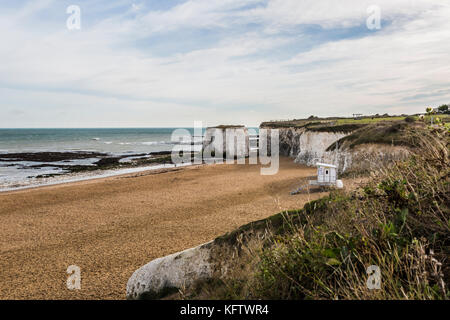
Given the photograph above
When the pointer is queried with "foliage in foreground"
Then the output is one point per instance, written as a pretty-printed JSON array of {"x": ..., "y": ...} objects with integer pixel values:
[{"x": 400, "y": 221}]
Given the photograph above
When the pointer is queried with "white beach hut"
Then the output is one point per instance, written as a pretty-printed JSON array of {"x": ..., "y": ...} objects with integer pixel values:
[
  {"x": 326, "y": 173},
  {"x": 326, "y": 176}
]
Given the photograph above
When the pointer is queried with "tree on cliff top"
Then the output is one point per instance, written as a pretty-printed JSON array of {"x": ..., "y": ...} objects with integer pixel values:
[{"x": 443, "y": 109}]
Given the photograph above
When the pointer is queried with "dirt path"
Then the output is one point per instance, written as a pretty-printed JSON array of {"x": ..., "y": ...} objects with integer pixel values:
[{"x": 110, "y": 227}]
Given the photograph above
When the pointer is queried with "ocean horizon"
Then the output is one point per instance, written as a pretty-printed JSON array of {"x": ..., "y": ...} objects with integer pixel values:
[{"x": 108, "y": 140}]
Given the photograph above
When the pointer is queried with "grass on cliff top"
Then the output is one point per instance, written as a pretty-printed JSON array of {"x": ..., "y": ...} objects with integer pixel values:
[
  {"x": 400, "y": 133},
  {"x": 399, "y": 221},
  {"x": 342, "y": 128},
  {"x": 331, "y": 124},
  {"x": 227, "y": 126},
  {"x": 367, "y": 120}
]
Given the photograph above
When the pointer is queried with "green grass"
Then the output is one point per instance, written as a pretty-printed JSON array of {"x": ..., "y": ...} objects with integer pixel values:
[
  {"x": 333, "y": 124},
  {"x": 367, "y": 120},
  {"x": 339, "y": 121},
  {"x": 344, "y": 128},
  {"x": 388, "y": 133}
]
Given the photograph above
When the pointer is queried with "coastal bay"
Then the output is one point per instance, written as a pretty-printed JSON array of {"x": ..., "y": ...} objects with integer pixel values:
[{"x": 110, "y": 227}]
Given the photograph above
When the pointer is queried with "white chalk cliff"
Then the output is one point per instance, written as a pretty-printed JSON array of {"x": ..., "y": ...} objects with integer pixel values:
[{"x": 173, "y": 272}]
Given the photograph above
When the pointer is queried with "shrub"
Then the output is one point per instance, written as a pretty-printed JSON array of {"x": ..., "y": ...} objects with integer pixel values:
[{"x": 443, "y": 109}]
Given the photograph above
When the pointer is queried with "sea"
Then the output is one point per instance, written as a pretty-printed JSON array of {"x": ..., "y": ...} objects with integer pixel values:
[
  {"x": 19, "y": 172},
  {"x": 113, "y": 140}
]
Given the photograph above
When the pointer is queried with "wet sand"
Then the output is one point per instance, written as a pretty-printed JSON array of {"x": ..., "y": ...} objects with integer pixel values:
[{"x": 110, "y": 227}]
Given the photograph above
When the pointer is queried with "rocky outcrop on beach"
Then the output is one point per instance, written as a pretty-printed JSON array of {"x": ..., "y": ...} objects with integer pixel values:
[
  {"x": 171, "y": 273},
  {"x": 231, "y": 139},
  {"x": 49, "y": 156}
]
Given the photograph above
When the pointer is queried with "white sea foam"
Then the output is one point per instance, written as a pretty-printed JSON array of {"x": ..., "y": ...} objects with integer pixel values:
[
  {"x": 129, "y": 159},
  {"x": 74, "y": 177}
]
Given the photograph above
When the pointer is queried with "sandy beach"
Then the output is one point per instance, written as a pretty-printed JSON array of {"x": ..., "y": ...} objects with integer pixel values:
[{"x": 110, "y": 227}]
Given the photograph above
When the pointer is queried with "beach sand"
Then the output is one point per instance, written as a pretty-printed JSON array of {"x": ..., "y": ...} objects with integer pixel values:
[{"x": 110, "y": 227}]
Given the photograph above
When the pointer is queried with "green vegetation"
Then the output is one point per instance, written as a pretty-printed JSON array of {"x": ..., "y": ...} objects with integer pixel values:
[
  {"x": 334, "y": 124},
  {"x": 444, "y": 109},
  {"x": 396, "y": 133},
  {"x": 371, "y": 119},
  {"x": 346, "y": 128},
  {"x": 410, "y": 119},
  {"x": 398, "y": 221},
  {"x": 340, "y": 124},
  {"x": 224, "y": 126}
]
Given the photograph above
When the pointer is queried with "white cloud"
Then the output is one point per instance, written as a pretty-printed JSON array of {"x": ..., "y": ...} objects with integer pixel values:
[
  {"x": 331, "y": 13},
  {"x": 102, "y": 72}
]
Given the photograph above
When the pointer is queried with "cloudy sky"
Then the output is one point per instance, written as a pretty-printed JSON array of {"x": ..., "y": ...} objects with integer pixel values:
[{"x": 170, "y": 62}]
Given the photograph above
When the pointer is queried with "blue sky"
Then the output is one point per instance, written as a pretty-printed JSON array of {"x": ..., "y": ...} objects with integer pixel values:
[{"x": 173, "y": 62}]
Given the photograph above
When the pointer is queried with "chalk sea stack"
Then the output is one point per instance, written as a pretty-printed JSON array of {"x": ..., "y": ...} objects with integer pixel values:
[{"x": 231, "y": 139}]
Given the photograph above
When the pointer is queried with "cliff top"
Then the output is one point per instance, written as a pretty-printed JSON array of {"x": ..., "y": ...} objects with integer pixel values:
[
  {"x": 224, "y": 126},
  {"x": 317, "y": 122},
  {"x": 348, "y": 125}
]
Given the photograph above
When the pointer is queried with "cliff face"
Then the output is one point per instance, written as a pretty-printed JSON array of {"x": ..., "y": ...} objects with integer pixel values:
[
  {"x": 369, "y": 157},
  {"x": 290, "y": 141},
  {"x": 313, "y": 146},
  {"x": 309, "y": 147}
]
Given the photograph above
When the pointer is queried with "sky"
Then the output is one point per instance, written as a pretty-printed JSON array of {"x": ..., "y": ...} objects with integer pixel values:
[{"x": 169, "y": 63}]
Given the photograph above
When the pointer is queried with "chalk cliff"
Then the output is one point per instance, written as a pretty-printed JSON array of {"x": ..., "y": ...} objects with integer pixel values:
[
  {"x": 171, "y": 273},
  {"x": 308, "y": 147}
]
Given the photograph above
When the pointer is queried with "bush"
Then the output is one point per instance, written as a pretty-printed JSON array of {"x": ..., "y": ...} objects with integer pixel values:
[
  {"x": 443, "y": 109},
  {"x": 410, "y": 119}
]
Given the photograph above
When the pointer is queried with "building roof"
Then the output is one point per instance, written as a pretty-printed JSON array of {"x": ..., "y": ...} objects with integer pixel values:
[{"x": 325, "y": 165}]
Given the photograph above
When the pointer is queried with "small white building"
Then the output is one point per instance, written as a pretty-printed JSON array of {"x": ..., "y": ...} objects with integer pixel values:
[
  {"x": 327, "y": 176},
  {"x": 326, "y": 173}
]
